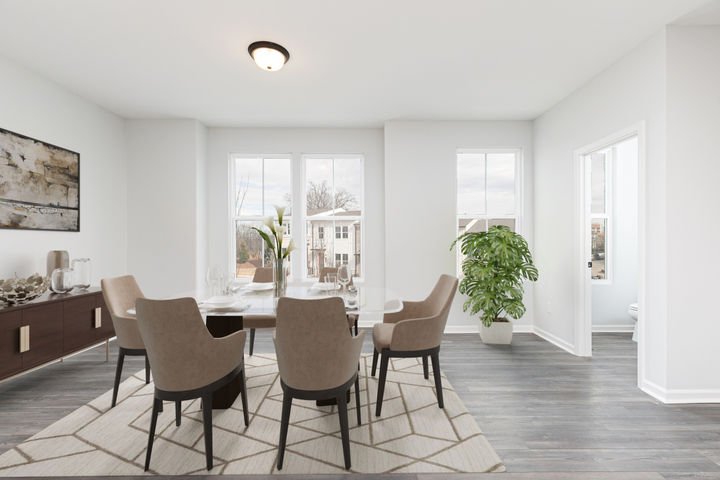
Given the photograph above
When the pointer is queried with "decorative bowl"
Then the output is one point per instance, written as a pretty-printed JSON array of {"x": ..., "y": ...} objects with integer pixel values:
[{"x": 15, "y": 291}]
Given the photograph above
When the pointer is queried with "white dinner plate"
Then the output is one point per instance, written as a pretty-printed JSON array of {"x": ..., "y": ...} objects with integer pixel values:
[
  {"x": 259, "y": 286},
  {"x": 235, "y": 307},
  {"x": 324, "y": 286},
  {"x": 219, "y": 302}
]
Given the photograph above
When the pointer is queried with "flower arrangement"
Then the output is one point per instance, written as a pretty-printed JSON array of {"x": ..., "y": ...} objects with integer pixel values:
[{"x": 274, "y": 241}]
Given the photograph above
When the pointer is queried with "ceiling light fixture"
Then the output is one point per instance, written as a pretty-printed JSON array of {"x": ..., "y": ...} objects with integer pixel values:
[{"x": 268, "y": 55}]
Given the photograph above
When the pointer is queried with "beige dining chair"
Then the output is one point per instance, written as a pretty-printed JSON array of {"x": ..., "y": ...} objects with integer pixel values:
[
  {"x": 317, "y": 360},
  {"x": 261, "y": 275},
  {"x": 120, "y": 294},
  {"x": 352, "y": 319},
  {"x": 415, "y": 331},
  {"x": 187, "y": 361}
]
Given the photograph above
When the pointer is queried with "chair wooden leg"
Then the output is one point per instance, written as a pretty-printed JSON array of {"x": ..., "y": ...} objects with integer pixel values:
[
  {"x": 252, "y": 340},
  {"x": 153, "y": 423},
  {"x": 207, "y": 429},
  {"x": 438, "y": 380},
  {"x": 284, "y": 422},
  {"x": 357, "y": 400},
  {"x": 243, "y": 395},
  {"x": 425, "y": 367},
  {"x": 344, "y": 430},
  {"x": 118, "y": 374},
  {"x": 147, "y": 369},
  {"x": 374, "y": 364},
  {"x": 177, "y": 412},
  {"x": 384, "y": 358}
]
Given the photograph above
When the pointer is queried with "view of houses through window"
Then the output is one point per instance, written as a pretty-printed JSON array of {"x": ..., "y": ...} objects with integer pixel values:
[
  {"x": 333, "y": 210},
  {"x": 333, "y": 197},
  {"x": 487, "y": 191}
]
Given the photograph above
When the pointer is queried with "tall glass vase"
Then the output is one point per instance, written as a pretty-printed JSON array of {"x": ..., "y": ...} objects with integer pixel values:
[{"x": 279, "y": 277}]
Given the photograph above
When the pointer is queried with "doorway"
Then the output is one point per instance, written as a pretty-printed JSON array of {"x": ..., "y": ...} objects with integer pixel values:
[{"x": 610, "y": 243}]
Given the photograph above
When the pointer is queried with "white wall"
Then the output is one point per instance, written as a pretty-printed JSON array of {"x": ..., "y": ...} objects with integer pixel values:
[
  {"x": 421, "y": 202},
  {"x": 630, "y": 91},
  {"x": 163, "y": 239},
  {"x": 693, "y": 195},
  {"x": 295, "y": 142},
  {"x": 40, "y": 109},
  {"x": 610, "y": 301}
]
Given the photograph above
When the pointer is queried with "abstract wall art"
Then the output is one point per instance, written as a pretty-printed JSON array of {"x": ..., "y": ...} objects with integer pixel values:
[{"x": 39, "y": 185}]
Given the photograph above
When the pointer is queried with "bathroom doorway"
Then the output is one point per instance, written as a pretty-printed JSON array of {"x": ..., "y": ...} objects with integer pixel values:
[{"x": 610, "y": 238}]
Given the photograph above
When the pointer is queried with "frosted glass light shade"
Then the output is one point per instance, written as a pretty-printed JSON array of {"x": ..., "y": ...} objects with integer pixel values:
[{"x": 268, "y": 56}]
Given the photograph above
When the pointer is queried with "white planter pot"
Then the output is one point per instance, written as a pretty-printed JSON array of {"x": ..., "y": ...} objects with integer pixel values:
[{"x": 499, "y": 333}]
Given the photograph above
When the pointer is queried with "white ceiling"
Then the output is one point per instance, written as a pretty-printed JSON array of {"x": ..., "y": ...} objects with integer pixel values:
[{"x": 353, "y": 63}]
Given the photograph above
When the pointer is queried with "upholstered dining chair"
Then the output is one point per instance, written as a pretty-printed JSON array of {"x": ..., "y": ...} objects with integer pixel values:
[
  {"x": 120, "y": 294},
  {"x": 187, "y": 361},
  {"x": 317, "y": 360},
  {"x": 415, "y": 331},
  {"x": 352, "y": 319},
  {"x": 261, "y": 275}
]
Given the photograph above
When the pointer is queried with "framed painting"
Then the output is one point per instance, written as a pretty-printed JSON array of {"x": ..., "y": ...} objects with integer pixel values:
[{"x": 39, "y": 185}]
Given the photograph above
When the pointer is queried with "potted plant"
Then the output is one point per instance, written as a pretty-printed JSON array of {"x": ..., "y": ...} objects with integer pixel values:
[
  {"x": 495, "y": 265},
  {"x": 274, "y": 241}
]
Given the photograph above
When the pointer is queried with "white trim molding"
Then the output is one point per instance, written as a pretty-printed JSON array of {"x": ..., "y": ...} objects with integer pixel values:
[
  {"x": 613, "y": 328},
  {"x": 710, "y": 395},
  {"x": 557, "y": 341}
]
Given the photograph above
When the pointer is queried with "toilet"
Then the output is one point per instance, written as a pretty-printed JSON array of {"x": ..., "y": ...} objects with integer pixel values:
[{"x": 633, "y": 312}]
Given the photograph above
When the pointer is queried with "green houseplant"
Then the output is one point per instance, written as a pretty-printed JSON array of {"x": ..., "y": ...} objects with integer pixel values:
[{"x": 495, "y": 265}]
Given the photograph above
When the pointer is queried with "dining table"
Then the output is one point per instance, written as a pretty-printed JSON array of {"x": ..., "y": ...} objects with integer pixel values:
[{"x": 259, "y": 299}]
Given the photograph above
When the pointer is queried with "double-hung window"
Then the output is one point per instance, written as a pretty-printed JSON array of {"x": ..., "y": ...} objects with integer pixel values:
[
  {"x": 258, "y": 184},
  {"x": 333, "y": 200},
  {"x": 600, "y": 163},
  {"x": 488, "y": 190}
]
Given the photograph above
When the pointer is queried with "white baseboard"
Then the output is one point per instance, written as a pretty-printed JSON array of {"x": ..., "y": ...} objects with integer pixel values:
[
  {"x": 612, "y": 328},
  {"x": 557, "y": 341},
  {"x": 456, "y": 328},
  {"x": 710, "y": 395}
]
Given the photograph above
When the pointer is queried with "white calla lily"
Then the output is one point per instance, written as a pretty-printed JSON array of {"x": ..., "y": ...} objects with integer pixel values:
[
  {"x": 270, "y": 223},
  {"x": 280, "y": 230},
  {"x": 280, "y": 212}
]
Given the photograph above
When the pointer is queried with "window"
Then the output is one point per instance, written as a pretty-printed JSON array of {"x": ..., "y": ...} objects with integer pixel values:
[
  {"x": 488, "y": 191},
  {"x": 258, "y": 184},
  {"x": 599, "y": 163},
  {"x": 334, "y": 200},
  {"x": 321, "y": 232}
]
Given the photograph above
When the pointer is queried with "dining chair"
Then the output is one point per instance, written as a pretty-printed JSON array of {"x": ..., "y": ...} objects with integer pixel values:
[
  {"x": 187, "y": 361},
  {"x": 317, "y": 360},
  {"x": 120, "y": 294},
  {"x": 415, "y": 331},
  {"x": 261, "y": 275},
  {"x": 352, "y": 319}
]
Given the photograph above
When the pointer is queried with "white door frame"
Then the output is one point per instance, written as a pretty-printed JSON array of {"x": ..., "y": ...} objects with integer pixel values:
[{"x": 583, "y": 290}]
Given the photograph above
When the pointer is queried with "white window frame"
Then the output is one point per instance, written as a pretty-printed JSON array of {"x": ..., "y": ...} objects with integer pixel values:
[
  {"x": 609, "y": 212},
  {"x": 252, "y": 218},
  {"x": 303, "y": 211},
  {"x": 519, "y": 201}
]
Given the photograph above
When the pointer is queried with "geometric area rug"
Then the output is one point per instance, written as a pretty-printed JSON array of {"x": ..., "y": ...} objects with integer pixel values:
[{"x": 413, "y": 435}]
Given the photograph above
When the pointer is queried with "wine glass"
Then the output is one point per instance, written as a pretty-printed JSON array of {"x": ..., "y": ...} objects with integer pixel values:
[
  {"x": 215, "y": 278},
  {"x": 343, "y": 276}
]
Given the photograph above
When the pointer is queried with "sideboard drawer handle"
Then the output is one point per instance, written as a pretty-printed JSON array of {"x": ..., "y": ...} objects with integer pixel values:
[
  {"x": 24, "y": 338},
  {"x": 98, "y": 317}
]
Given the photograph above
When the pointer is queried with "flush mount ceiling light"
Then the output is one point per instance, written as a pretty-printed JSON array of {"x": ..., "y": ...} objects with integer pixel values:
[{"x": 268, "y": 55}]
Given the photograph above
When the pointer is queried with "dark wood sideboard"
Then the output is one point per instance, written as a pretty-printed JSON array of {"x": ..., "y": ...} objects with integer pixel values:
[{"x": 51, "y": 327}]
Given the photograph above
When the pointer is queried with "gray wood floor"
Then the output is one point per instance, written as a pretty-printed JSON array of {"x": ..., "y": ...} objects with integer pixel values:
[{"x": 546, "y": 412}]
